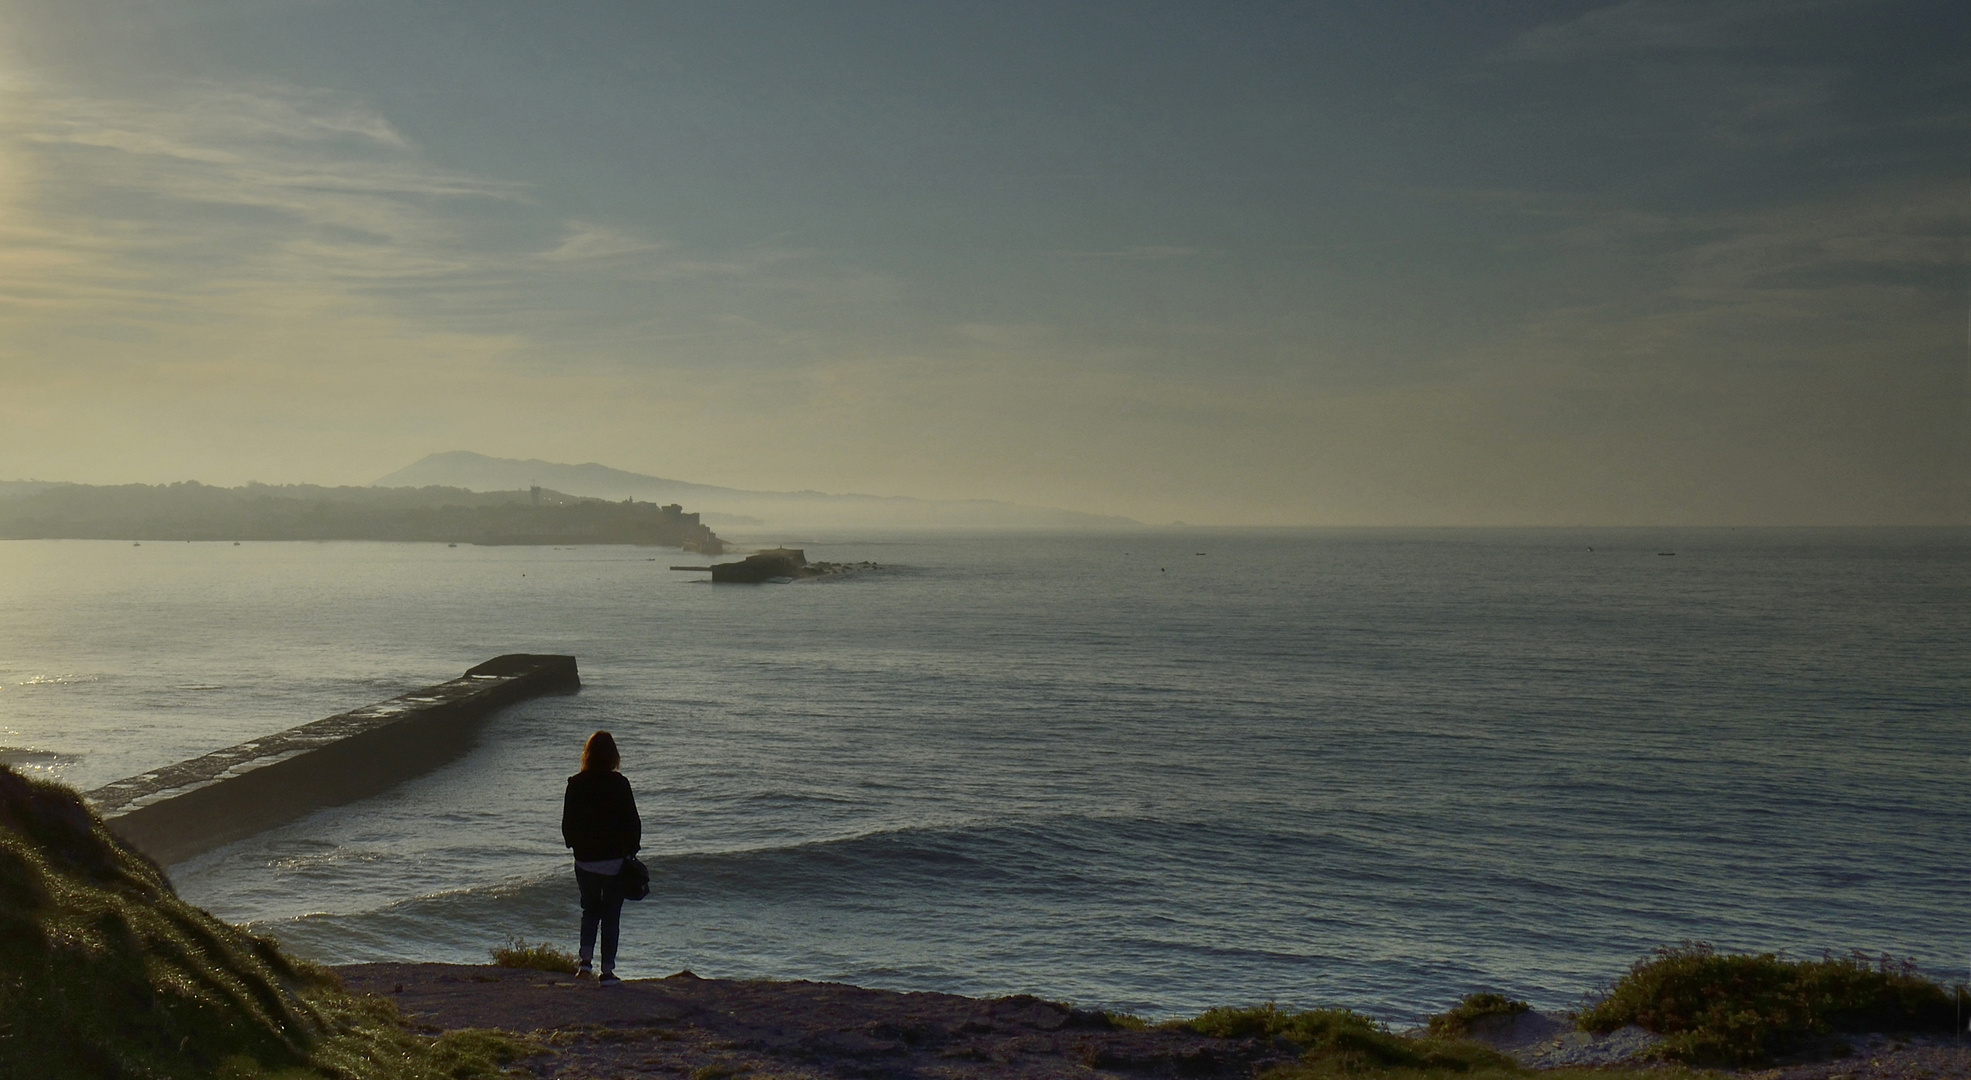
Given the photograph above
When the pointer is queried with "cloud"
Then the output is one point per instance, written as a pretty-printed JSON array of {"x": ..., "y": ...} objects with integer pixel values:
[
  {"x": 197, "y": 203},
  {"x": 303, "y": 153},
  {"x": 180, "y": 198},
  {"x": 1142, "y": 253},
  {"x": 585, "y": 241},
  {"x": 263, "y": 280},
  {"x": 1640, "y": 27},
  {"x": 1756, "y": 75},
  {"x": 1851, "y": 261}
]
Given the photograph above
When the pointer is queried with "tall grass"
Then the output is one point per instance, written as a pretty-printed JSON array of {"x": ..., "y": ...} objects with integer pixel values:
[
  {"x": 542, "y": 957},
  {"x": 105, "y": 972},
  {"x": 1457, "y": 1023}
]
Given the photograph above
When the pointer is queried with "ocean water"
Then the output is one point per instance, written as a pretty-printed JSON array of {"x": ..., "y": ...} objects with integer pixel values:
[{"x": 1159, "y": 771}]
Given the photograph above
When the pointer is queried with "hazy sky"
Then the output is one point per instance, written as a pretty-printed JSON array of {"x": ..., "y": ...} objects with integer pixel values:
[{"x": 1373, "y": 262}]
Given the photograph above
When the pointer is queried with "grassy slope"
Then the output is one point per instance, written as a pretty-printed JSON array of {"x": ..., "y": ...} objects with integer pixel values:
[{"x": 105, "y": 972}]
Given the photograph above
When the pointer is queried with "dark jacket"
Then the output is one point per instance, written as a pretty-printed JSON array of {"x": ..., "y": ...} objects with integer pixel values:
[{"x": 598, "y": 816}]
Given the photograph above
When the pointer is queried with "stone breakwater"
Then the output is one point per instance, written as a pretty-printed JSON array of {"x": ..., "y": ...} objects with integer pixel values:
[{"x": 179, "y": 811}]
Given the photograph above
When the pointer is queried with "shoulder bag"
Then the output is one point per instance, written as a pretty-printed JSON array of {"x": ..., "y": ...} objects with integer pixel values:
[{"x": 635, "y": 878}]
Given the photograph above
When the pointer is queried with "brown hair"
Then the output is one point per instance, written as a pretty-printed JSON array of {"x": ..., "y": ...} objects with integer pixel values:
[{"x": 599, "y": 754}]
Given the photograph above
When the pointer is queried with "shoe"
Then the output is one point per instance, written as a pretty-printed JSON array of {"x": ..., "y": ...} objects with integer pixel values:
[
  {"x": 584, "y": 970},
  {"x": 609, "y": 979}
]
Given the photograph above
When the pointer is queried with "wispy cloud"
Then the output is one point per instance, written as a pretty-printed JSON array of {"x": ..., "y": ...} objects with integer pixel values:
[
  {"x": 1845, "y": 260},
  {"x": 301, "y": 153},
  {"x": 211, "y": 188},
  {"x": 1141, "y": 253},
  {"x": 1755, "y": 74},
  {"x": 196, "y": 204},
  {"x": 1688, "y": 27},
  {"x": 585, "y": 241}
]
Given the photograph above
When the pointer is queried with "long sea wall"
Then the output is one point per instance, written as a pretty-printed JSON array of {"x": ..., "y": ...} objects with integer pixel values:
[{"x": 194, "y": 806}]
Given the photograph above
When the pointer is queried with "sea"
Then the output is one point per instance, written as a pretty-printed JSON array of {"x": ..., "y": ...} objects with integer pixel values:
[{"x": 1153, "y": 771}]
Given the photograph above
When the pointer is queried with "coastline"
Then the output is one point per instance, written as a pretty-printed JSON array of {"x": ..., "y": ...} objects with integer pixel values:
[{"x": 106, "y": 971}]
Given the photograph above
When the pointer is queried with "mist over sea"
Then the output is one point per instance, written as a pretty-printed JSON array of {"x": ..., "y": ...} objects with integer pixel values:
[{"x": 1156, "y": 771}]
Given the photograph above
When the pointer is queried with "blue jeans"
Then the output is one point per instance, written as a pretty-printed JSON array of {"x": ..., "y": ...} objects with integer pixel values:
[{"x": 602, "y": 908}]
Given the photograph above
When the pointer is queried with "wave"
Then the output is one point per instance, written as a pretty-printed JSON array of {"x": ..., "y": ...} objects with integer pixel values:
[
  {"x": 64, "y": 679},
  {"x": 23, "y": 756},
  {"x": 981, "y": 871}
]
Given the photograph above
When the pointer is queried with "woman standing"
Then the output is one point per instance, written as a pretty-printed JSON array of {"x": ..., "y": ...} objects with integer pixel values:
[{"x": 599, "y": 820}]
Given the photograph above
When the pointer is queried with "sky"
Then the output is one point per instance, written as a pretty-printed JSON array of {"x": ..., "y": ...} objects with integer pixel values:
[{"x": 1342, "y": 263}]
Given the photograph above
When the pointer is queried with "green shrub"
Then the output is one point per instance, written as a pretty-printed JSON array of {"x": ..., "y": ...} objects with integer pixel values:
[
  {"x": 1457, "y": 1023},
  {"x": 542, "y": 957},
  {"x": 105, "y": 972},
  {"x": 1338, "y": 1044},
  {"x": 1339, "y": 1041},
  {"x": 1740, "y": 1009},
  {"x": 1123, "y": 1021}
]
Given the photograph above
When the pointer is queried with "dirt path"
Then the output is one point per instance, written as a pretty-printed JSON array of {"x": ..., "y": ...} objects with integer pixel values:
[{"x": 707, "y": 1029}]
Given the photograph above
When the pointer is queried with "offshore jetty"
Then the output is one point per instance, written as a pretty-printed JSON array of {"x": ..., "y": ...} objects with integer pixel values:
[{"x": 194, "y": 806}]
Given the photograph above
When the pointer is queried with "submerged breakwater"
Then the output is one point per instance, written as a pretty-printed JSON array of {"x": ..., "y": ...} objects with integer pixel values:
[{"x": 178, "y": 811}]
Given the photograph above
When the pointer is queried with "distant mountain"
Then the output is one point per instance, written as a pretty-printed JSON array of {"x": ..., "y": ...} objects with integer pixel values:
[{"x": 726, "y": 508}]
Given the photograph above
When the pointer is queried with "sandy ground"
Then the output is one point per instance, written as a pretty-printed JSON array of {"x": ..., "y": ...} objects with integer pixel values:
[{"x": 712, "y": 1029}]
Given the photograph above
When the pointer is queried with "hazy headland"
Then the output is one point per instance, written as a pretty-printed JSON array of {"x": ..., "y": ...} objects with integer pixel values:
[
  {"x": 194, "y": 511},
  {"x": 737, "y": 508},
  {"x": 463, "y": 497}
]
